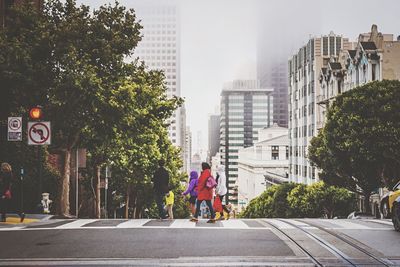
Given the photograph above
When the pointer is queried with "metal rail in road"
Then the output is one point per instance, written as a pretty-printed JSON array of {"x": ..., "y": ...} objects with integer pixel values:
[{"x": 340, "y": 254}]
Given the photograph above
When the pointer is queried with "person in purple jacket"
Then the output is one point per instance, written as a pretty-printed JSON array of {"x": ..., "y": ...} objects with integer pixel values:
[{"x": 192, "y": 190}]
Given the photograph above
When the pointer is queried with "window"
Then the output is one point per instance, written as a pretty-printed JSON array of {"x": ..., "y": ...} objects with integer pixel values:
[
  {"x": 373, "y": 72},
  {"x": 287, "y": 152},
  {"x": 275, "y": 152},
  {"x": 325, "y": 45}
]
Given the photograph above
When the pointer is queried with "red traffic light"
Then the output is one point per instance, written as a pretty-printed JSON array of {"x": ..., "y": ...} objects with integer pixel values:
[{"x": 35, "y": 113}]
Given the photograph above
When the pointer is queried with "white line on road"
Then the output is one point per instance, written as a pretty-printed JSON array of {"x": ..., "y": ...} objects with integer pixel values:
[
  {"x": 183, "y": 224},
  {"x": 236, "y": 224},
  {"x": 133, "y": 223},
  {"x": 381, "y": 222},
  {"x": 279, "y": 224},
  {"x": 76, "y": 224},
  {"x": 349, "y": 225}
]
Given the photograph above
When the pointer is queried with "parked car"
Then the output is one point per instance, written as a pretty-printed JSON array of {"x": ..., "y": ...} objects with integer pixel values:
[{"x": 390, "y": 205}]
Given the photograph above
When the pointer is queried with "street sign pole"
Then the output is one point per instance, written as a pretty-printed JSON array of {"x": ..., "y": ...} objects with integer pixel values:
[{"x": 77, "y": 183}]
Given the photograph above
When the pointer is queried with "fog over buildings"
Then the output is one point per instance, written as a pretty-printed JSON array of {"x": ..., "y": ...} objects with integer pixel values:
[{"x": 223, "y": 40}]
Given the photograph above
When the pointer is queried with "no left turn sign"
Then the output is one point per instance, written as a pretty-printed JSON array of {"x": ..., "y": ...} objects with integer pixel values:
[{"x": 39, "y": 133}]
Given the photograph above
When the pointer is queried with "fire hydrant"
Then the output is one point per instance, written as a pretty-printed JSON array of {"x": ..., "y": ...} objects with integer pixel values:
[{"x": 46, "y": 201}]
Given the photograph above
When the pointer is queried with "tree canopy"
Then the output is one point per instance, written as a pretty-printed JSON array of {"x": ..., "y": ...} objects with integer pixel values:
[
  {"x": 359, "y": 147},
  {"x": 73, "y": 62},
  {"x": 298, "y": 201}
]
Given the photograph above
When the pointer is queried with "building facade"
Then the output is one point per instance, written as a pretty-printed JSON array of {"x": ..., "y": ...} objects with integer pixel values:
[
  {"x": 304, "y": 93},
  {"x": 213, "y": 136},
  {"x": 188, "y": 149},
  {"x": 264, "y": 164},
  {"x": 245, "y": 108},
  {"x": 375, "y": 57},
  {"x": 160, "y": 49}
]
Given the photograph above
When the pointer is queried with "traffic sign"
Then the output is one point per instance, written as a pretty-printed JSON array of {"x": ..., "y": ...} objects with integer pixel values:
[
  {"x": 14, "y": 129},
  {"x": 39, "y": 133}
]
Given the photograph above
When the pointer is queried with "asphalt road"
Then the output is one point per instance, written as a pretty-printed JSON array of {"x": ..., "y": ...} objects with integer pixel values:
[{"x": 261, "y": 242}]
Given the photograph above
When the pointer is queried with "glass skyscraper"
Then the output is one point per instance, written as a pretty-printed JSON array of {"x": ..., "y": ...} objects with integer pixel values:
[{"x": 245, "y": 108}]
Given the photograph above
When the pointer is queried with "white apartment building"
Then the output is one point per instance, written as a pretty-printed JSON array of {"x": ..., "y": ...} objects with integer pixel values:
[
  {"x": 264, "y": 164},
  {"x": 245, "y": 108},
  {"x": 160, "y": 49},
  {"x": 304, "y": 93}
]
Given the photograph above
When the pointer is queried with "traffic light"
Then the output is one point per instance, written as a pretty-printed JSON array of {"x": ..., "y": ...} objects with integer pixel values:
[{"x": 35, "y": 113}]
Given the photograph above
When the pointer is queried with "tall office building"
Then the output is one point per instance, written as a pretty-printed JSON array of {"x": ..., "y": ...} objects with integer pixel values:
[
  {"x": 304, "y": 90},
  {"x": 160, "y": 49},
  {"x": 188, "y": 149},
  {"x": 245, "y": 108},
  {"x": 213, "y": 136},
  {"x": 272, "y": 73}
]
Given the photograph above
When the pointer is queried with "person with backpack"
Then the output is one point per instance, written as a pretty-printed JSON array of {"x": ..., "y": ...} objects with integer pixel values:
[
  {"x": 5, "y": 189},
  {"x": 205, "y": 192},
  {"x": 192, "y": 191},
  {"x": 221, "y": 190},
  {"x": 161, "y": 182}
]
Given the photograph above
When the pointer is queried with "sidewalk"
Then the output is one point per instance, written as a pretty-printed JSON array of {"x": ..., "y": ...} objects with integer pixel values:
[{"x": 14, "y": 219}]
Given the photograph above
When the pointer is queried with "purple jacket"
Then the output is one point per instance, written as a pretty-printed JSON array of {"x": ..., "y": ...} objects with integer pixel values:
[{"x": 192, "y": 184}]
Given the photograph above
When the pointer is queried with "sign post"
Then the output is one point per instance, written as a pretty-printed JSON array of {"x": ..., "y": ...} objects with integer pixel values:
[
  {"x": 39, "y": 133},
  {"x": 14, "y": 129}
]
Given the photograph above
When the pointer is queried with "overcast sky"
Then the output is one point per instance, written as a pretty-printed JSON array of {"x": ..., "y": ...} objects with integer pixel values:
[{"x": 219, "y": 39}]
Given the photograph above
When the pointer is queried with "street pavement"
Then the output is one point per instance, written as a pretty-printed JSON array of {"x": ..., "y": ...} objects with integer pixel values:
[{"x": 238, "y": 242}]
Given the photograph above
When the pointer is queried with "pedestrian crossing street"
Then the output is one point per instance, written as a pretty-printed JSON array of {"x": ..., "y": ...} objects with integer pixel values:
[{"x": 240, "y": 224}]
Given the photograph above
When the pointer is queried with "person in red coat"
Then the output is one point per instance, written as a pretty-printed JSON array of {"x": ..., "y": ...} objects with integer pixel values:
[{"x": 204, "y": 193}]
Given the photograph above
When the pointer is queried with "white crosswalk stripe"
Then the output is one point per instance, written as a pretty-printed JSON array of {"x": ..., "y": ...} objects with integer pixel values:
[
  {"x": 235, "y": 224},
  {"x": 133, "y": 223},
  {"x": 76, "y": 224},
  {"x": 183, "y": 224},
  {"x": 284, "y": 224},
  {"x": 279, "y": 224}
]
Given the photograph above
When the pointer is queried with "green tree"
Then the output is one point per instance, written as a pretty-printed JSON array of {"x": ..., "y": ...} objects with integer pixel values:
[
  {"x": 71, "y": 61},
  {"x": 361, "y": 139}
]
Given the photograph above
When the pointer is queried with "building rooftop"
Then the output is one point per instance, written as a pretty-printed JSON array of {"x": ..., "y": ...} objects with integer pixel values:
[
  {"x": 335, "y": 65},
  {"x": 352, "y": 53},
  {"x": 368, "y": 45}
]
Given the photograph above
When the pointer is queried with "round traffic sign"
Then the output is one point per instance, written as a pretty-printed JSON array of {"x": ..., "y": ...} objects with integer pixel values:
[
  {"x": 39, "y": 133},
  {"x": 14, "y": 124}
]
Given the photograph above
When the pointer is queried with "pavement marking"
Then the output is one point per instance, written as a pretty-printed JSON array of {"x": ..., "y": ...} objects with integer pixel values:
[
  {"x": 279, "y": 224},
  {"x": 133, "y": 223},
  {"x": 300, "y": 224},
  {"x": 381, "y": 222},
  {"x": 183, "y": 224},
  {"x": 17, "y": 220},
  {"x": 76, "y": 224},
  {"x": 234, "y": 224},
  {"x": 349, "y": 225}
]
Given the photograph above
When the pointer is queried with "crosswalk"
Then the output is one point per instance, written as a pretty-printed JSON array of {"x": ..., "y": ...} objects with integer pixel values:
[{"x": 240, "y": 224}]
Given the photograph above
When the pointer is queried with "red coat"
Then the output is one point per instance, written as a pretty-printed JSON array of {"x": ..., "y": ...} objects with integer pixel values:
[{"x": 204, "y": 193}]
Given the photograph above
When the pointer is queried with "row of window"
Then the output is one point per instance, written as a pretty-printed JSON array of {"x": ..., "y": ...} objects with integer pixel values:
[
  {"x": 303, "y": 169},
  {"x": 301, "y": 131}
]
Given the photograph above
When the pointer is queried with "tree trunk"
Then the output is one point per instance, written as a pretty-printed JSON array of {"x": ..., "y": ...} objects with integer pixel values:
[
  {"x": 366, "y": 202},
  {"x": 64, "y": 192},
  {"x": 127, "y": 202},
  {"x": 97, "y": 198}
]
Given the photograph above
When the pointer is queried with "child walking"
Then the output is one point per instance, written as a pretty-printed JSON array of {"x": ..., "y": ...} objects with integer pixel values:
[{"x": 169, "y": 203}]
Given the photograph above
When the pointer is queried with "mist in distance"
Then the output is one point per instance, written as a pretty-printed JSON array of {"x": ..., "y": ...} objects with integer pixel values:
[{"x": 222, "y": 40}]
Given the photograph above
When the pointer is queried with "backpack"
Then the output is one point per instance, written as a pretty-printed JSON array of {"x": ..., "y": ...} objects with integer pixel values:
[{"x": 211, "y": 183}]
